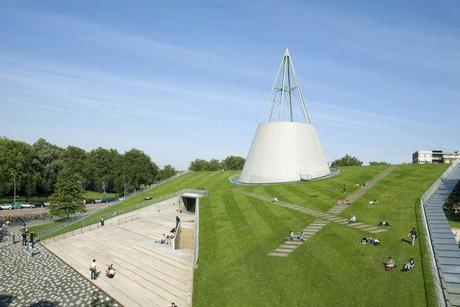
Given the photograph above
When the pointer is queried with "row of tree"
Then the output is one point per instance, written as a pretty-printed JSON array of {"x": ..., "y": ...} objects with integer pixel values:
[
  {"x": 349, "y": 160},
  {"x": 237, "y": 163},
  {"x": 229, "y": 163},
  {"x": 35, "y": 168}
]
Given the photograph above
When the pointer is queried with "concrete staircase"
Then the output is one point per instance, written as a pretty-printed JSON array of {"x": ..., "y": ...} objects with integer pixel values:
[{"x": 147, "y": 273}]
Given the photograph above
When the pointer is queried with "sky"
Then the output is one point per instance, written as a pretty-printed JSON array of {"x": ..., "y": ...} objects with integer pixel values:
[{"x": 182, "y": 80}]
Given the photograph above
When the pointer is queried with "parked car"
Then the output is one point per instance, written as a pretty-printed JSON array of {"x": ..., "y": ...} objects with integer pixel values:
[
  {"x": 107, "y": 200},
  {"x": 6, "y": 207},
  {"x": 17, "y": 205},
  {"x": 27, "y": 205},
  {"x": 38, "y": 204},
  {"x": 90, "y": 201}
]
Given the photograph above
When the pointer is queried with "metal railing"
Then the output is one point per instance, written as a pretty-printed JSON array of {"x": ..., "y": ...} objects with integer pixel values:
[
  {"x": 175, "y": 242},
  {"x": 79, "y": 218},
  {"x": 435, "y": 186},
  {"x": 197, "y": 234},
  {"x": 442, "y": 297}
]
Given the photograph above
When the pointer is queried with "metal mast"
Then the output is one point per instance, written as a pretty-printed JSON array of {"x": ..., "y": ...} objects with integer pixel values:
[{"x": 285, "y": 89}]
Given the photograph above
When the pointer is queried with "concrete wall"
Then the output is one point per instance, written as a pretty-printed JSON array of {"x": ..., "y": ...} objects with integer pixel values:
[{"x": 284, "y": 152}]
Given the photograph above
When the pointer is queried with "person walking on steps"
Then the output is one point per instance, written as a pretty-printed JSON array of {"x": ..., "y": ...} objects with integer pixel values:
[
  {"x": 31, "y": 249},
  {"x": 413, "y": 235},
  {"x": 24, "y": 238},
  {"x": 177, "y": 221},
  {"x": 92, "y": 268},
  {"x": 31, "y": 238}
]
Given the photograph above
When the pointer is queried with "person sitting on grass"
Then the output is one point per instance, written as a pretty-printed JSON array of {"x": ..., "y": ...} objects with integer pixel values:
[
  {"x": 384, "y": 223},
  {"x": 390, "y": 264},
  {"x": 300, "y": 237},
  {"x": 409, "y": 265},
  {"x": 291, "y": 236},
  {"x": 370, "y": 241},
  {"x": 352, "y": 220},
  {"x": 110, "y": 272}
]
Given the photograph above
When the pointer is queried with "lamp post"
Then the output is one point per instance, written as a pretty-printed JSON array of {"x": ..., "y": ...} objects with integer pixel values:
[{"x": 14, "y": 187}]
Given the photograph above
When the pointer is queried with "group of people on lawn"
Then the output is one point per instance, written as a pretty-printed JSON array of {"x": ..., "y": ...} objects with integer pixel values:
[
  {"x": 342, "y": 202},
  {"x": 390, "y": 264},
  {"x": 293, "y": 237}
]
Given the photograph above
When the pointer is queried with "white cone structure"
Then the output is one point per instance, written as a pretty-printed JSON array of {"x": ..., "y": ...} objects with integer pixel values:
[{"x": 284, "y": 150}]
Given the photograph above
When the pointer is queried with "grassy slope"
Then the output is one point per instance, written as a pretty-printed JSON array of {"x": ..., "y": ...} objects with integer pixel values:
[
  {"x": 321, "y": 194},
  {"x": 332, "y": 268}
]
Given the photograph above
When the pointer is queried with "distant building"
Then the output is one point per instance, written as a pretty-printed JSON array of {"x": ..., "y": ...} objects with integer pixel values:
[{"x": 434, "y": 156}]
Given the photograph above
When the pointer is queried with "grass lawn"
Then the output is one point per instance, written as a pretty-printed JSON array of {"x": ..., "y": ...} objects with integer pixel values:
[
  {"x": 330, "y": 269},
  {"x": 320, "y": 194},
  {"x": 454, "y": 220}
]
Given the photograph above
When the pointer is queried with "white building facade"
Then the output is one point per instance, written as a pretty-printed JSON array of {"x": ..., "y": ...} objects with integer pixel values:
[{"x": 434, "y": 157}]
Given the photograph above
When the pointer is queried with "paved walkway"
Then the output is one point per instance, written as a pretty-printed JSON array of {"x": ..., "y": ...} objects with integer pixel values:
[
  {"x": 43, "y": 280},
  {"x": 323, "y": 218},
  {"x": 147, "y": 273},
  {"x": 289, "y": 246},
  {"x": 337, "y": 209}
]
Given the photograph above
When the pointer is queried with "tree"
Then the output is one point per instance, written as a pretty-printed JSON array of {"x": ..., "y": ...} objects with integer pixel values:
[
  {"x": 75, "y": 160},
  {"x": 47, "y": 161},
  {"x": 167, "y": 171},
  {"x": 68, "y": 196},
  {"x": 213, "y": 165},
  {"x": 347, "y": 160},
  {"x": 198, "y": 165},
  {"x": 15, "y": 162},
  {"x": 102, "y": 169},
  {"x": 137, "y": 169},
  {"x": 233, "y": 163}
]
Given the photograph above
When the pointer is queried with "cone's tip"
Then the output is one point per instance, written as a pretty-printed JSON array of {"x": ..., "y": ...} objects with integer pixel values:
[{"x": 286, "y": 52}]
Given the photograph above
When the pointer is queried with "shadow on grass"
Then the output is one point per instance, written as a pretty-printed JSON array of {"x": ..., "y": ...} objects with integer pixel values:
[{"x": 406, "y": 241}]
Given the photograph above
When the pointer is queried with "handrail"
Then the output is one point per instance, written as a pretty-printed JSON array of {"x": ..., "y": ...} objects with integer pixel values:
[
  {"x": 197, "y": 234},
  {"x": 435, "y": 186},
  {"x": 442, "y": 296},
  {"x": 175, "y": 243},
  {"x": 80, "y": 217}
]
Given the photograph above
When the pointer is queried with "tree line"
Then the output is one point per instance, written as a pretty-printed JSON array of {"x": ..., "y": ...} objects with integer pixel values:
[
  {"x": 36, "y": 168},
  {"x": 229, "y": 163},
  {"x": 349, "y": 160}
]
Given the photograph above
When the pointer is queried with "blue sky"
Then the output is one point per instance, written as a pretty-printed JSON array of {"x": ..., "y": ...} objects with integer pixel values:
[{"x": 185, "y": 80}]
